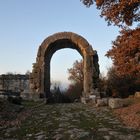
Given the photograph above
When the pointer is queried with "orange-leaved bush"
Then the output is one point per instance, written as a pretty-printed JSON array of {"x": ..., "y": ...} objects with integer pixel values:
[{"x": 125, "y": 52}]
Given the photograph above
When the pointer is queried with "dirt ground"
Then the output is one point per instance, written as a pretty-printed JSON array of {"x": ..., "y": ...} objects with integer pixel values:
[{"x": 130, "y": 115}]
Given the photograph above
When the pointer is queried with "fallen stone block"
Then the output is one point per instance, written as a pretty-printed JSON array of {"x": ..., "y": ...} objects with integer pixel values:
[
  {"x": 137, "y": 94},
  {"x": 102, "y": 102},
  {"x": 83, "y": 100},
  {"x": 88, "y": 100},
  {"x": 115, "y": 103}
]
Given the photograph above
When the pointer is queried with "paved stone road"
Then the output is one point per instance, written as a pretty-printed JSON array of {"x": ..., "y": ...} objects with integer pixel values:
[{"x": 70, "y": 122}]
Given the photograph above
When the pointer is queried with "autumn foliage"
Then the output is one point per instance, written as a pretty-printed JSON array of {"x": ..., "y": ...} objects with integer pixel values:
[
  {"x": 130, "y": 115},
  {"x": 120, "y": 86},
  {"x": 76, "y": 77},
  {"x": 118, "y": 12},
  {"x": 125, "y": 52},
  {"x": 76, "y": 72},
  {"x": 74, "y": 91}
]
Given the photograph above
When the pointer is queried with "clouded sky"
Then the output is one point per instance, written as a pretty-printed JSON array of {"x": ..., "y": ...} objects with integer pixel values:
[{"x": 24, "y": 24}]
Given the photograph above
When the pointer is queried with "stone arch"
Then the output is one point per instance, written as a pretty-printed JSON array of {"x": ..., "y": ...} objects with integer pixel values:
[{"x": 40, "y": 76}]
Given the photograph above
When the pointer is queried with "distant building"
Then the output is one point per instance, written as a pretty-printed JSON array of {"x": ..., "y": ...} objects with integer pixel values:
[{"x": 14, "y": 82}]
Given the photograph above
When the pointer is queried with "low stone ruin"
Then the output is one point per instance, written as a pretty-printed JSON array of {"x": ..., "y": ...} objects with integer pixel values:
[
  {"x": 115, "y": 103},
  {"x": 137, "y": 94},
  {"x": 112, "y": 103}
]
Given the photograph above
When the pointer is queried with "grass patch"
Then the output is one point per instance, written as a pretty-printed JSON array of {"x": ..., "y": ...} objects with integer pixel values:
[{"x": 30, "y": 104}]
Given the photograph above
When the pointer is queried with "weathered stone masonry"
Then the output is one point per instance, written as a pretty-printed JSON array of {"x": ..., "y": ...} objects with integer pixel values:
[
  {"x": 14, "y": 82},
  {"x": 40, "y": 76}
]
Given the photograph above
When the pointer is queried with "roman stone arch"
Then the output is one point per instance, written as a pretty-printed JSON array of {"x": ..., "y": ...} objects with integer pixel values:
[{"x": 40, "y": 76}]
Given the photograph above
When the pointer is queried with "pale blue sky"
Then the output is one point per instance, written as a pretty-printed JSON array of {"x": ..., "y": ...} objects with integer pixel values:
[{"x": 24, "y": 24}]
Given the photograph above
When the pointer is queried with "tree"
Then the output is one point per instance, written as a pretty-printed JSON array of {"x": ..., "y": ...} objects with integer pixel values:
[
  {"x": 119, "y": 86},
  {"x": 74, "y": 91},
  {"x": 76, "y": 76},
  {"x": 55, "y": 84},
  {"x": 27, "y": 72},
  {"x": 125, "y": 53},
  {"x": 76, "y": 72},
  {"x": 118, "y": 12},
  {"x": 102, "y": 83},
  {"x": 57, "y": 96}
]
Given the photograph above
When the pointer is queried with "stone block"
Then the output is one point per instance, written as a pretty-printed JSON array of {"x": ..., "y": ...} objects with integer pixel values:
[
  {"x": 2, "y": 96},
  {"x": 137, "y": 94},
  {"x": 102, "y": 102},
  {"x": 88, "y": 100},
  {"x": 25, "y": 94},
  {"x": 83, "y": 100},
  {"x": 115, "y": 103},
  {"x": 91, "y": 99}
]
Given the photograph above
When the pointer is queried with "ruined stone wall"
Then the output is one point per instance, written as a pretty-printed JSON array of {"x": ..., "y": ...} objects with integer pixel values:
[{"x": 14, "y": 82}]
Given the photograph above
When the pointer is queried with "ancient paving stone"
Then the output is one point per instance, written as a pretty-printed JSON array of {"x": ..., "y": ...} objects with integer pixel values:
[
  {"x": 102, "y": 102},
  {"x": 82, "y": 123},
  {"x": 107, "y": 137},
  {"x": 58, "y": 137},
  {"x": 103, "y": 129}
]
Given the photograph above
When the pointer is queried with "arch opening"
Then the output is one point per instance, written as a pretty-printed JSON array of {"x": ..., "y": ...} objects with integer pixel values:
[
  {"x": 61, "y": 61},
  {"x": 52, "y": 49}
]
